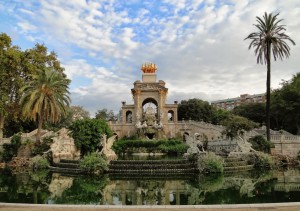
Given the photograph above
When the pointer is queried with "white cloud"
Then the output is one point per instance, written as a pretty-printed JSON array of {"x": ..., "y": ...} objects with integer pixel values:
[
  {"x": 198, "y": 45},
  {"x": 25, "y": 26}
]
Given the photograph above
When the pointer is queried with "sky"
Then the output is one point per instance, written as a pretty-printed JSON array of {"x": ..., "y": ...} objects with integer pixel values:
[{"x": 198, "y": 45}]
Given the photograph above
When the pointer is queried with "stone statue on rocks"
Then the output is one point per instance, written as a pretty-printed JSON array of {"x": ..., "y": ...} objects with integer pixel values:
[
  {"x": 107, "y": 150},
  {"x": 63, "y": 147},
  {"x": 193, "y": 143},
  {"x": 243, "y": 147}
]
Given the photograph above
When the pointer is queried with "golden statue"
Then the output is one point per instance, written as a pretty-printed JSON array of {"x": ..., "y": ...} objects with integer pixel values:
[{"x": 149, "y": 68}]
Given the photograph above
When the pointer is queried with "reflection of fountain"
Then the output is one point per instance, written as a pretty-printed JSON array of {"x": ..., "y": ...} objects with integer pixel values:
[{"x": 59, "y": 184}]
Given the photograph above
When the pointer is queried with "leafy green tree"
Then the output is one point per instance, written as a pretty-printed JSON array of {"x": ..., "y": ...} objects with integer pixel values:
[
  {"x": 269, "y": 39},
  {"x": 11, "y": 79},
  {"x": 73, "y": 113},
  {"x": 106, "y": 115},
  {"x": 87, "y": 134},
  {"x": 219, "y": 115},
  {"x": 277, "y": 111},
  {"x": 236, "y": 125},
  {"x": 252, "y": 111},
  {"x": 195, "y": 109},
  {"x": 45, "y": 98},
  {"x": 78, "y": 112},
  {"x": 15, "y": 124},
  {"x": 38, "y": 58},
  {"x": 285, "y": 108}
]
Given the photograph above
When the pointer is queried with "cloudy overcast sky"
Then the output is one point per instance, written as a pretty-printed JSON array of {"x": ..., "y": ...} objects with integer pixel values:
[{"x": 198, "y": 45}]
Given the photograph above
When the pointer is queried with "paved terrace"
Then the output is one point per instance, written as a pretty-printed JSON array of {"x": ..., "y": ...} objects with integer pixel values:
[{"x": 294, "y": 206}]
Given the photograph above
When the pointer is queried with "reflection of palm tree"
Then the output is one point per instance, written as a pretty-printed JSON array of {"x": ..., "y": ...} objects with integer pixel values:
[
  {"x": 269, "y": 39},
  {"x": 45, "y": 97}
]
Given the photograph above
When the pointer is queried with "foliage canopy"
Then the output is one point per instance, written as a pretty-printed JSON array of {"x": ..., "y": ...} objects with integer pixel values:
[{"x": 87, "y": 134}]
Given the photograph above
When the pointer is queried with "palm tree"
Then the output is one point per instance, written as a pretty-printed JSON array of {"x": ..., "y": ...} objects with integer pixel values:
[
  {"x": 45, "y": 97},
  {"x": 269, "y": 39}
]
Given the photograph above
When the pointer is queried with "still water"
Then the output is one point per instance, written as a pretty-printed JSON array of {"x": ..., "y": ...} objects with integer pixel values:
[{"x": 52, "y": 188}]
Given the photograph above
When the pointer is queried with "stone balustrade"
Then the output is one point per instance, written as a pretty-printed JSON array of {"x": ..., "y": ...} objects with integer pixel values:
[{"x": 285, "y": 144}]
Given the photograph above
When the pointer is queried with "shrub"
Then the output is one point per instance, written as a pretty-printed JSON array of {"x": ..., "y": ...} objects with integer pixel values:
[
  {"x": 259, "y": 143},
  {"x": 173, "y": 147},
  {"x": 39, "y": 162},
  {"x": 44, "y": 146},
  {"x": 210, "y": 163},
  {"x": 170, "y": 146},
  {"x": 263, "y": 160},
  {"x": 298, "y": 156},
  {"x": 94, "y": 163},
  {"x": 11, "y": 150}
]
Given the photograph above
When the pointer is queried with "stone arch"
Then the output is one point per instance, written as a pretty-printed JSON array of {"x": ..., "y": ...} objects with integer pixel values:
[
  {"x": 148, "y": 101},
  {"x": 170, "y": 116},
  {"x": 183, "y": 136},
  {"x": 128, "y": 116}
]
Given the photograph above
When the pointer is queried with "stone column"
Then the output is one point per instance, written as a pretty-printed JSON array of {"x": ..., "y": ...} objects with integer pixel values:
[{"x": 138, "y": 104}]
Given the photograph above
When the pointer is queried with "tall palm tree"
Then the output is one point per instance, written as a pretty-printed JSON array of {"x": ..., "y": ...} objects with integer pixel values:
[
  {"x": 45, "y": 97},
  {"x": 270, "y": 38}
]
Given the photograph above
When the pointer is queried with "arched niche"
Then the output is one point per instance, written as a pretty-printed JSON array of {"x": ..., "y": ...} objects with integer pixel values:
[
  {"x": 129, "y": 116},
  {"x": 170, "y": 116},
  {"x": 184, "y": 136}
]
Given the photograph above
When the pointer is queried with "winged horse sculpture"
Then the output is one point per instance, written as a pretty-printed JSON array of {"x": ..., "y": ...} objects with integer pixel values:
[{"x": 107, "y": 144}]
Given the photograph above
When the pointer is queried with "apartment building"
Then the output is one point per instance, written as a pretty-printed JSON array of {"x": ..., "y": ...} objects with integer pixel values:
[{"x": 230, "y": 103}]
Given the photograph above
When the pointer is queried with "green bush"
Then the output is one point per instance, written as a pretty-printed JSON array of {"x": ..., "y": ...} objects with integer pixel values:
[
  {"x": 298, "y": 156},
  {"x": 129, "y": 146},
  {"x": 87, "y": 134},
  {"x": 44, "y": 146},
  {"x": 173, "y": 147},
  {"x": 264, "y": 161},
  {"x": 39, "y": 162},
  {"x": 94, "y": 163},
  {"x": 210, "y": 163},
  {"x": 11, "y": 150},
  {"x": 259, "y": 143}
]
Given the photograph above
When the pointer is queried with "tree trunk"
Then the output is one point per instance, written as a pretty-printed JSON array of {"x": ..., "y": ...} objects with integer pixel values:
[
  {"x": 2, "y": 118},
  {"x": 268, "y": 100},
  {"x": 38, "y": 134}
]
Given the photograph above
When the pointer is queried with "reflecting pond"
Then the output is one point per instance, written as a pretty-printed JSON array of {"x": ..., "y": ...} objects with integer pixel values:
[{"x": 44, "y": 187}]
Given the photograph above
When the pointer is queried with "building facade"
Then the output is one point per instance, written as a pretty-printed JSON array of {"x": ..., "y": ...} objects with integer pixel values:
[
  {"x": 150, "y": 116},
  {"x": 231, "y": 103}
]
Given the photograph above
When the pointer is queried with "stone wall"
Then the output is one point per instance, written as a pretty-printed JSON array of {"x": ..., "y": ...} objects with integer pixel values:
[
  {"x": 28, "y": 136},
  {"x": 285, "y": 144},
  {"x": 173, "y": 129},
  {"x": 212, "y": 132}
]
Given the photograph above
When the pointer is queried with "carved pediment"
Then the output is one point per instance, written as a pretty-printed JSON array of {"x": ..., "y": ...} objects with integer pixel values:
[{"x": 150, "y": 86}]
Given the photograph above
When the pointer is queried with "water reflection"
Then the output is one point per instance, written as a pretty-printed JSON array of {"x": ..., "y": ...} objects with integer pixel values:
[{"x": 251, "y": 187}]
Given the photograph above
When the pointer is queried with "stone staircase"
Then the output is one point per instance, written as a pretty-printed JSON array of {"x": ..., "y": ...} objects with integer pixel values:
[
  {"x": 233, "y": 164},
  {"x": 151, "y": 168},
  {"x": 67, "y": 166}
]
